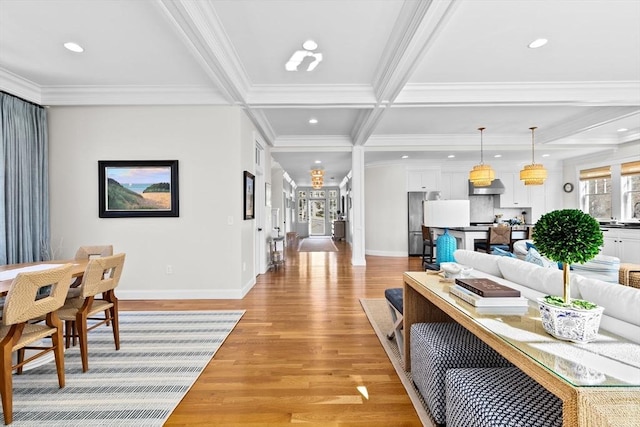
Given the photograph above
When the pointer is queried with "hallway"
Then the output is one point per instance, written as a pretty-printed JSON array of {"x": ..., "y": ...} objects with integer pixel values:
[{"x": 301, "y": 350}]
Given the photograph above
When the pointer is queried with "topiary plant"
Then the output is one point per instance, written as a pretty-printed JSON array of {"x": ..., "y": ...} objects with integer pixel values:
[{"x": 568, "y": 236}]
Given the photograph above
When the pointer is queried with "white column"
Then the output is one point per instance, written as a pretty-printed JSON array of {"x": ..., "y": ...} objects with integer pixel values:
[{"x": 357, "y": 197}]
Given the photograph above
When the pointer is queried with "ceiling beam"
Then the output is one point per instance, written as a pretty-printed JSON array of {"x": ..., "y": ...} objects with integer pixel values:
[{"x": 204, "y": 35}]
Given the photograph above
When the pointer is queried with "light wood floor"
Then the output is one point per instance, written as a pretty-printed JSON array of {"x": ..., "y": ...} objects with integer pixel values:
[{"x": 302, "y": 349}]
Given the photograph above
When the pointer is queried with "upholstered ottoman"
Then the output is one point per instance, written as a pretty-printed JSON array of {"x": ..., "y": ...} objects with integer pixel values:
[
  {"x": 504, "y": 397},
  {"x": 437, "y": 347},
  {"x": 395, "y": 303}
]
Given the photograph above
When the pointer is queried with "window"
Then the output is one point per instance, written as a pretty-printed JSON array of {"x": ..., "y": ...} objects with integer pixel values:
[
  {"x": 630, "y": 190},
  {"x": 595, "y": 185}
]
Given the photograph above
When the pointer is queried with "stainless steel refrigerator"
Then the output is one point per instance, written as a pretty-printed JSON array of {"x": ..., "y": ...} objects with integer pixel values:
[{"x": 415, "y": 199}]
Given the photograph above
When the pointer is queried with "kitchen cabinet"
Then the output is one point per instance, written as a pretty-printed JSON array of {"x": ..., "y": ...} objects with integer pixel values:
[
  {"x": 622, "y": 243},
  {"x": 516, "y": 194},
  {"x": 454, "y": 185},
  {"x": 423, "y": 180},
  {"x": 546, "y": 197}
]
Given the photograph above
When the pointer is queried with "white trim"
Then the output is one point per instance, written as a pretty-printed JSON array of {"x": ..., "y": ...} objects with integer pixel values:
[{"x": 387, "y": 253}]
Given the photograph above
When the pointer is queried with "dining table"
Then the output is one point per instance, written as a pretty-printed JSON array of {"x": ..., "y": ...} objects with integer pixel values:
[{"x": 9, "y": 271}]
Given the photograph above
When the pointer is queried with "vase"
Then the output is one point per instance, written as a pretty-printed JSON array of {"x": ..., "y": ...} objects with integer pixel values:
[{"x": 570, "y": 323}]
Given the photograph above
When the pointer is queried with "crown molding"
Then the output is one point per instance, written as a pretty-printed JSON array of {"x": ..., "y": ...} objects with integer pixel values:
[
  {"x": 131, "y": 95},
  {"x": 622, "y": 93},
  {"x": 262, "y": 124},
  {"x": 265, "y": 96},
  {"x": 204, "y": 34},
  {"x": 19, "y": 86}
]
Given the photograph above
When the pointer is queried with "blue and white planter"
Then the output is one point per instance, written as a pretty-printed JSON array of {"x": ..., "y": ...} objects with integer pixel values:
[{"x": 570, "y": 323}]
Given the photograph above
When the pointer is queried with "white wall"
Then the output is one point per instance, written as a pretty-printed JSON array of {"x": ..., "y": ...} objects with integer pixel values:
[
  {"x": 386, "y": 232},
  {"x": 207, "y": 245}
]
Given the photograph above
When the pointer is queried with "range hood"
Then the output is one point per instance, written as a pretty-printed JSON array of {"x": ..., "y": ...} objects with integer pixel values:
[{"x": 496, "y": 187}]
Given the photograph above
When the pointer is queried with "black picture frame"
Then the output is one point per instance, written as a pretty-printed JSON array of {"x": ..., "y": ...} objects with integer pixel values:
[
  {"x": 149, "y": 188},
  {"x": 249, "y": 195}
]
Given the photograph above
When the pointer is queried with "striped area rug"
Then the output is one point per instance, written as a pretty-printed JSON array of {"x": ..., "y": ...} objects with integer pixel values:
[{"x": 161, "y": 355}]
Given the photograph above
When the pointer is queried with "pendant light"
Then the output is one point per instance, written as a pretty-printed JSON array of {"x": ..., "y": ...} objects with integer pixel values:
[
  {"x": 317, "y": 178},
  {"x": 535, "y": 173},
  {"x": 481, "y": 175}
]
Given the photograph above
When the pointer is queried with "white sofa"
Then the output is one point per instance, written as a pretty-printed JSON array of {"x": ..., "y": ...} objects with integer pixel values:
[{"x": 621, "y": 303}]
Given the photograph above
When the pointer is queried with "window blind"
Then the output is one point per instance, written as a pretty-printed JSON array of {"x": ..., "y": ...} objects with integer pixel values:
[
  {"x": 630, "y": 168},
  {"x": 595, "y": 173}
]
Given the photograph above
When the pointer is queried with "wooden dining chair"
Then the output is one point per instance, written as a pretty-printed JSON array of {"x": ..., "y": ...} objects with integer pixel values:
[
  {"x": 23, "y": 303},
  {"x": 498, "y": 237},
  {"x": 97, "y": 294},
  {"x": 88, "y": 252},
  {"x": 427, "y": 242},
  {"x": 85, "y": 253}
]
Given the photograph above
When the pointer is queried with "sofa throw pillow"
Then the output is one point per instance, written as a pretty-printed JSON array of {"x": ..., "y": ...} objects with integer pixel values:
[
  {"x": 502, "y": 252},
  {"x": 533, "y": 256}
]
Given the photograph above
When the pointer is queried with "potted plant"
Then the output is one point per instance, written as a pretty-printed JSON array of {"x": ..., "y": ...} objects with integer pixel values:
[{"x": 569, "y": 236}]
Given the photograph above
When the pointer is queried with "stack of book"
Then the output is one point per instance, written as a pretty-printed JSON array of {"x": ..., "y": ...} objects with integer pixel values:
[{"x": 488, "y": 296}]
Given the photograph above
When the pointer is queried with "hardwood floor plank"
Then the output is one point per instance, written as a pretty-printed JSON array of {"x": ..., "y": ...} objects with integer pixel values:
[{"x": 302, "y": 349}]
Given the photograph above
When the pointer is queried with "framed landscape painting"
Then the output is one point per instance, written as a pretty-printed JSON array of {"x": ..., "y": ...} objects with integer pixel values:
[{"x": 137, "y": 188}]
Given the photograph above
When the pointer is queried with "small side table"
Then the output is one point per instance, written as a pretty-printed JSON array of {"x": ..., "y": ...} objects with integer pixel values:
[{"x": 276, "y": 251}]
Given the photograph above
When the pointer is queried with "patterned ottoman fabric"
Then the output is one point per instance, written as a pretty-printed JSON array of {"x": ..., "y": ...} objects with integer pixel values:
[
  {"x": 437, "y": 347},
  {"x": 499, "y": 397}
]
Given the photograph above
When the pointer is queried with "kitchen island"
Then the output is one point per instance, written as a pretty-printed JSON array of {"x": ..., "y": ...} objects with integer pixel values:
[{"x": 466, "y": 236}]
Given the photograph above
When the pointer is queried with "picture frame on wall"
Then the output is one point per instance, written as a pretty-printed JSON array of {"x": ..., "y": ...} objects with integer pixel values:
[
  {"x": 138, "y": 188},
  {"x": 248, "y": 186}
]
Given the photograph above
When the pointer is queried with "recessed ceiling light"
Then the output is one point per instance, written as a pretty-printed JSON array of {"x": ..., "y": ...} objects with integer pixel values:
[
  {"x": 623, "y": 130},
  {"x": 546, "y": 155},
  {"x": 538, "y": 43},
  {"x": 317, "y": 162},
  {"x": 310, "y": 45},
  {"x": 74, "y": 47},
  {"x": 405, "y": 157},
  {"x": 497, "y": 156},
  {"x": 313, "y": 121},
  {"x": 451, "y": 156}
]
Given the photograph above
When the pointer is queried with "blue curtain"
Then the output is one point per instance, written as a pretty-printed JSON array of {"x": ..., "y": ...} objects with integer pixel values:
[{"x": 24, "y": 182}]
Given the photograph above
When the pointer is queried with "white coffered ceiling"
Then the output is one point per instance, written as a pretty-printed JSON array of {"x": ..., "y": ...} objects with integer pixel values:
[{"x": 397, "y": 77}]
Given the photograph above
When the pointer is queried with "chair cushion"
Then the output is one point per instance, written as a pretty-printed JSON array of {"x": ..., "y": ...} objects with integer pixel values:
[
  {"x": 493, "y": 397},
  {"x": 437, "y": 347},
  {"x": 394, "y": 296}
]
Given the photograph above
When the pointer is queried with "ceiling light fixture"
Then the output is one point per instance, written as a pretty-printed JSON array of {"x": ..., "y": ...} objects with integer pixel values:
[
  {"x": 313, "y": 121},
  {"x": 405, "y": 157},
  {"x": 537, "y": 43},
  {"x": 310, "y": 45},
  {"x": 74, "y": 47},
  {"x": 307, "y": 56},
  {"x": 451, "y": 156},
  {"x": 317, "y": 178},
  {"x": 497, "y": 156},
  {"x": 481, "y": 175},
  {"x": 623, "y": 130},
  {"x": 535, "y": 173}
]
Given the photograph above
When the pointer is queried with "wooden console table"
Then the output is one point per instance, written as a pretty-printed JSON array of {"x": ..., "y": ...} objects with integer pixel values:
[{"x": 598, "y": 383}]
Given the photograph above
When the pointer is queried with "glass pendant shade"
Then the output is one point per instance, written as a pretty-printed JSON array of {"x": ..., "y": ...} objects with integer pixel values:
[
  {"x": 535, "y": 173},
  {"x": 481, "y": 175}
]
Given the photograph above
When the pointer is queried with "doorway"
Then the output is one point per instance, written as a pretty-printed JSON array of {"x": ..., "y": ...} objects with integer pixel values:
[{"x": 317, "y": 226}]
